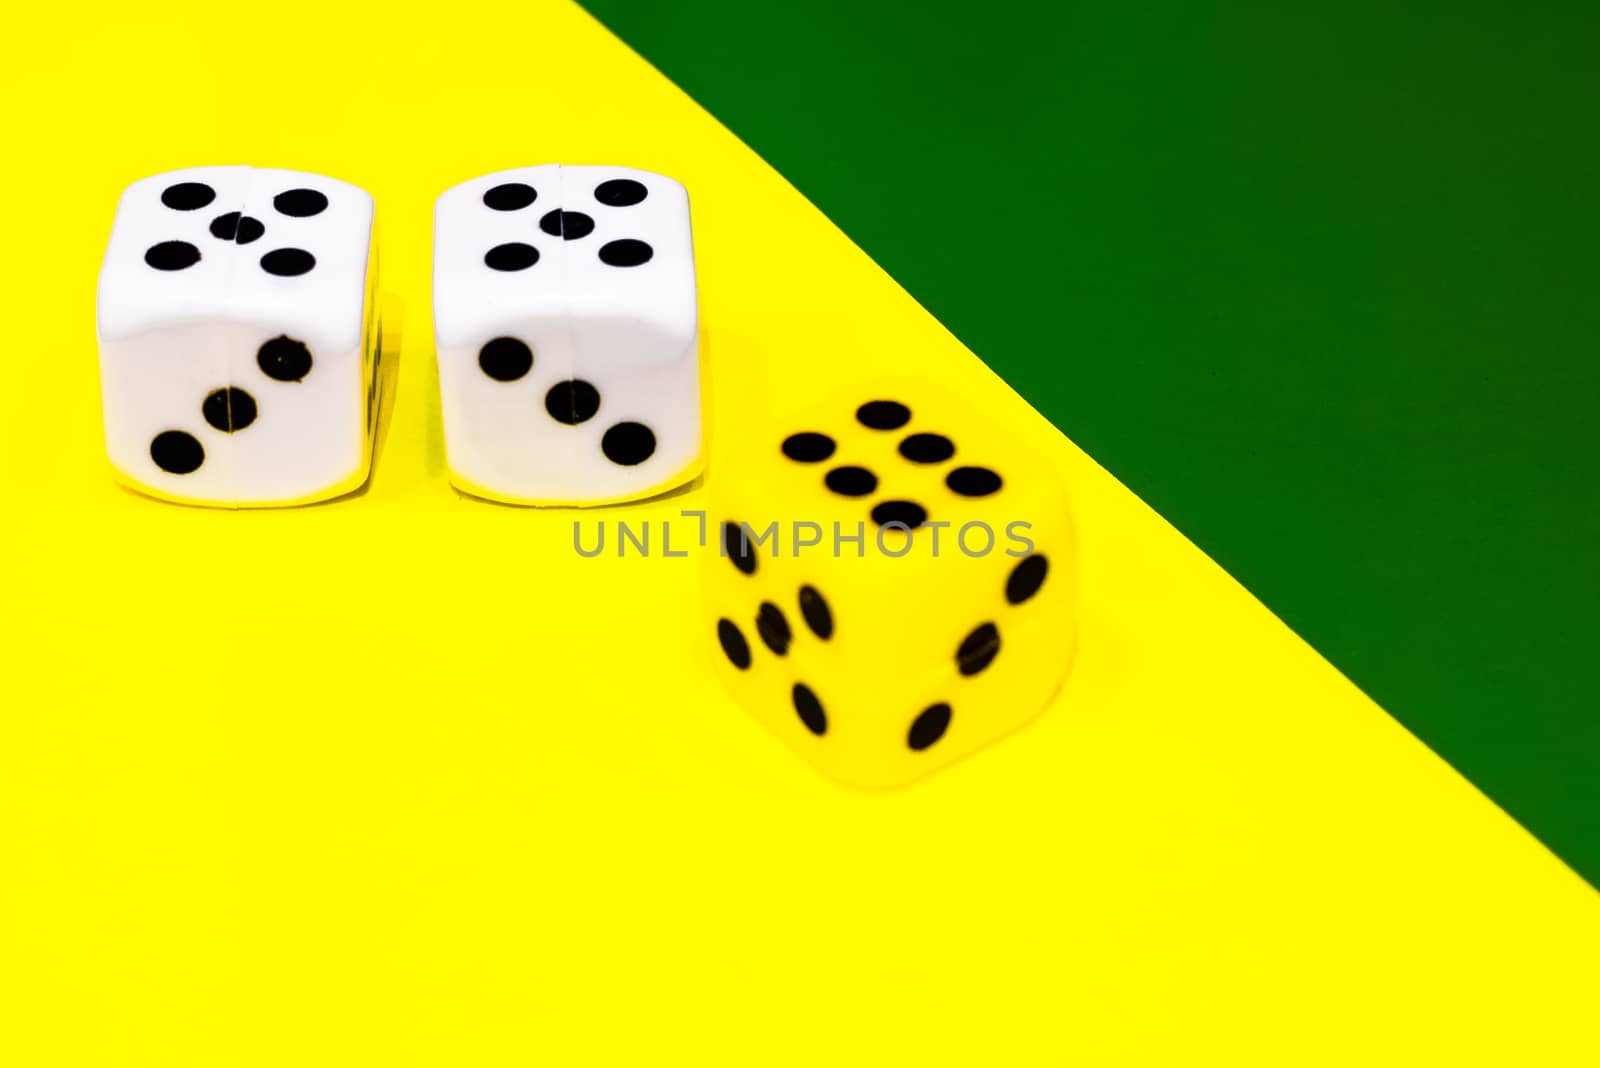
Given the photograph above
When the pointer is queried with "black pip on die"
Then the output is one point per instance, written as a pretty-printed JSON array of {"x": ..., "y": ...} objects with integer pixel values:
[
  {"x": 565, "y": 318},
  {"x": 238, "y": 338},
  {"x": 890, "y": 584}
]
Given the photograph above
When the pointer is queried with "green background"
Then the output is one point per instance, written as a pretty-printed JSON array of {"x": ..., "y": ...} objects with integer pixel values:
[{"x": 1319, "y": 285}]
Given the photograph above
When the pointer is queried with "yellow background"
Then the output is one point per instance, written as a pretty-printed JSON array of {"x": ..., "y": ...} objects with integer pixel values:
[{"x": 401, "y": 780}]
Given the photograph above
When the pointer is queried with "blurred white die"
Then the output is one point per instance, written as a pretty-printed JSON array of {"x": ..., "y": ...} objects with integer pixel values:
[
  {"x": 238, "y": 338},
  {"x": 565, "y": 319}
]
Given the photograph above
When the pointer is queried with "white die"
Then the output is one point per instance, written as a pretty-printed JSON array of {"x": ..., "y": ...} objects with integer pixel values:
[
  {"x": 567, "y": 331},
  {"x": 237, "y": 339}
]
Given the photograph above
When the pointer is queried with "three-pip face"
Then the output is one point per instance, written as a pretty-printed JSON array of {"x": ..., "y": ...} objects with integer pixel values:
[
  {"x": 237, "y": 340},
  {"x": 567, "y": 331}
]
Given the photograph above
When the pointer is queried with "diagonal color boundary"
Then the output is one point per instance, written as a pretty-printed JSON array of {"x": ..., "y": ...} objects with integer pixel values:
[{"x": 1317, "y": 285}]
